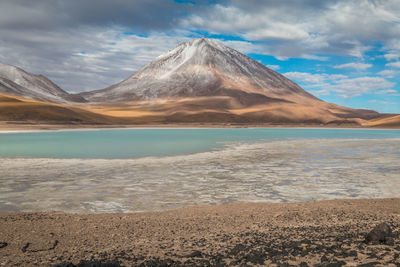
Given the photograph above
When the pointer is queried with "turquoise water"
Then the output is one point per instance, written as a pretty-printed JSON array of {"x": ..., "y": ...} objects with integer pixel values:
[{"x": 137, "y": 143}]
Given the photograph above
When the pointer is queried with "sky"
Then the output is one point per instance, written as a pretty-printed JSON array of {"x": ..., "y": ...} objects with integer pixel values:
[{"x": 345, "y": 52}]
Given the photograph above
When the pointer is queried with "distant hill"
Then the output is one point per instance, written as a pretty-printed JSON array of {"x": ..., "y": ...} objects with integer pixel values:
[
  {"x": 17, "y": 82},
  {"x": 392, "y": 121},
  {"x": 14, "y": 108}
]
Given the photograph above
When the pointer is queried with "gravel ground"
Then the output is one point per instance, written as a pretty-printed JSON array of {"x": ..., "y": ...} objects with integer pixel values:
[{"x": 321, "y": 233}]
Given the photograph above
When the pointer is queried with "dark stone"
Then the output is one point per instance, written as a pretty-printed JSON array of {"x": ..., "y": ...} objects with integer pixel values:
[
  {"x": 256, "y": 257},
  {"x": 379, "y": 234},
  {"x": 54, "y": 245},
  {"x": 238, "y": 248},
  {"x": 84, "y": 263},
  {"x": 345, "y": 254},
  {"x": 389, "y": 241},
  {"x": 372, "y": 255},
  {"x": 303, "y": 264},
  {"x": 304, "y": 253},
  {"x": 195, "y": 254},
  {"x": 24, "y": 248},
  {"x": 157, "y": 263},
  {"x": 3, "y": 244},
  {"x": 331, "y": 264},
  {"x": 341, "y": 263},
  {"x": 369, "y": 264},
  {"x": 97, "y": 264},
  {"x": 65, "y": 264},
  {"x": 324, "y": 259},
  {"x": 353, "y": 253}
]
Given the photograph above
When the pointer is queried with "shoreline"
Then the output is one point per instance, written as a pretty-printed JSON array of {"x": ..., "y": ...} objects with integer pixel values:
[
  {"x": 195, "y": 208},
  {"x": 315, "y": 233},
  {"x": 21, "y": 128}
]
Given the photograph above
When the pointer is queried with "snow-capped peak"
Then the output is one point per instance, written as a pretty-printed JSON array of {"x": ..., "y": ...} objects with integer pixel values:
[
  {"x": 188, "y": 48},
  {"x": 200, "y": 67}
]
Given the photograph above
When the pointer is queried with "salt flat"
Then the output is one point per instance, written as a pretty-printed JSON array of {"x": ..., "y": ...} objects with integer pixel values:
[{"x": 268, "y": 171}]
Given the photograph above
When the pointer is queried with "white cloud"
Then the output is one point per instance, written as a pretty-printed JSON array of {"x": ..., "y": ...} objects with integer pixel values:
[
  {"x": 321, "y": 92},
  {"x": 358, "y": 86},
  {"x": 282, "y": 58},
  {"x": 392, "y": 49},
  {"x": 295, "y": 29},
  {"x": 314, "y": 57},
  {"x": 357, "y": 66},
  {"x": 273, "y": 67},
  {"x": 340, "y": 84},
  {"x": 393, "y": 45},
  {"x": 280, "y": 31},
  {"x": 382, "y": 102},
  {"x": 244, "y": 47},
  {"x": 393, "y": 64},
  {"x": 314, "y": 80},
  {"x": 388, "y": 73},
  {"x": 356, "y": 49},
  {"x": 392, "y": 56},
  {"x": 387, "y": 92}
]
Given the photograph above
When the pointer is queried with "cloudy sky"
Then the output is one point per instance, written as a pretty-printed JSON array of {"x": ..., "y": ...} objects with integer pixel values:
[{"x": 346, "y": 52}]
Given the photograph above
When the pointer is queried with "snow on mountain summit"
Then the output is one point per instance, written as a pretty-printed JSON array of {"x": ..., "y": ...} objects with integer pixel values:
[{"x": 202, "y": 67}]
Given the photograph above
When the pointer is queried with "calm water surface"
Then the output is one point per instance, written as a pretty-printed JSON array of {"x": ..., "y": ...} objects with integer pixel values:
[
  {"x": 136, "y": 143},
  {"x": 160, "y": 169}
]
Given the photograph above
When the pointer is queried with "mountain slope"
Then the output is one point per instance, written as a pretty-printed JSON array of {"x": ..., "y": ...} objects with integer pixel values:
[
  {"x": 17, "y": 82},
  {"x": 204, "y": 67},
  {"x": 390, "y": 121},
  {"x": 205, "y": 81}
]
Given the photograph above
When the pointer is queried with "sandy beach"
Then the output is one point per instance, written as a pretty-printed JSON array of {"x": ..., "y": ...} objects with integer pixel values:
[{"x": 322, "y": 233}]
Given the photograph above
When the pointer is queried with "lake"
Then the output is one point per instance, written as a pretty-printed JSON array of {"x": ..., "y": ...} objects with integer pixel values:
[
  {"x": 131, "y": 170},
  {"x": 136, "y": 143}
]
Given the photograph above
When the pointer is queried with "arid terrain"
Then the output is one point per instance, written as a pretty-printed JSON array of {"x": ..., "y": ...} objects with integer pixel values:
[
  {"x": 389, "y": 121},
  {"x": 25, "y": 114},
  {"x": 18, "y": 109},
  {"x": 324, "y": 233}
]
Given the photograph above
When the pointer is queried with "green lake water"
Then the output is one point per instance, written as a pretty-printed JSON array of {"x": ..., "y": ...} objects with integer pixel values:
[{"x": 137, "y": 143}]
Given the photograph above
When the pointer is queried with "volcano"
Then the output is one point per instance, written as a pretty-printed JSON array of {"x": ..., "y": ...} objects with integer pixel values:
[
  {"x": 204, "y": 68},
  {"x": 205, "y": 81}
]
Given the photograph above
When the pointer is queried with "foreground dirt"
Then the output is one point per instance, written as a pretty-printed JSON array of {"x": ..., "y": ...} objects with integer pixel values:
[{"x": 325, "y": 233}]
